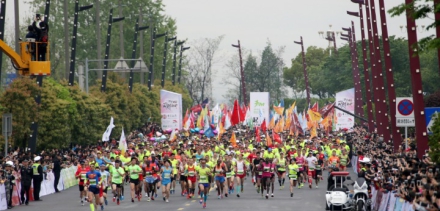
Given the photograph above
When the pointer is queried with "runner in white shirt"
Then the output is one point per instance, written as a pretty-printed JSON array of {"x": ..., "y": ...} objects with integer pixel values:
[
  {"x": 105, "y": 177},
  {"x": 312, "y": 161}
]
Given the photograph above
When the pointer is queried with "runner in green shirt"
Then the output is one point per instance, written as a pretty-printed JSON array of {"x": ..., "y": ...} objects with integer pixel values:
[
  {"x": 117, "y": 174},
  {"x": 134, "y": 170}
]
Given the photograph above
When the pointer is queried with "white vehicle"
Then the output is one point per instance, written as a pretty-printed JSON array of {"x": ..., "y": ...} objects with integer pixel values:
[
  {"x": 361, "y": 197},
  {"x": 338, "y": 194}
]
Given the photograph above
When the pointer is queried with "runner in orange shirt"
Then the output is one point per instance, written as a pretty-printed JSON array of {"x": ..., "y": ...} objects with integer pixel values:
[{"x": 333, "y": 160}]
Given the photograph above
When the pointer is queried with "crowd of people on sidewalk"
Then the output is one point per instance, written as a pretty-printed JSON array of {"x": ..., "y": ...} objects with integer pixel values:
[{"x": 215, "y": 162}]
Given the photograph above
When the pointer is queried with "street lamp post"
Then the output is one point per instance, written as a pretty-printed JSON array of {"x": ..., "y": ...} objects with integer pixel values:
[
  {"x": 73, "y": 48},
  {"x": 416, "y": 82},
  {"x": 150, "y": 71},
  {"x": 182, "y": 49},
  {"x": 381, "y": 98},
  {"x": 165, "y": 57},
  {"x": 306, "y": 78},
  {"x": 243, "y": 83},
  {"x": 133, "y": 53},
  {"x": 173, "y": 76},
  {"x": 397, "y": 139},
  {"x": 367, "y": 82},
  {"x": 111, "y": 20}
]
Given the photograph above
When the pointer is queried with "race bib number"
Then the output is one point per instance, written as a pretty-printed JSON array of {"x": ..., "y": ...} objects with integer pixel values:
[
  {"x": 166, "y": 176},
  {"x": 83, "y": 176},
  {"x": 93, "y": 182},
  {"x": 240, "y": 172},
  {"x": 191, "y": 173},
  {"x": 203, "y": 178}
]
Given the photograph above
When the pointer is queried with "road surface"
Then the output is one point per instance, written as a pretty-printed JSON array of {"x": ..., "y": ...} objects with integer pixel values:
[{"x": 303, "y": 199}]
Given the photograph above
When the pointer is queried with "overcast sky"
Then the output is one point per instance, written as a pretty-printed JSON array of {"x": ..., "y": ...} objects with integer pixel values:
[{"x": 254, "y": 22}]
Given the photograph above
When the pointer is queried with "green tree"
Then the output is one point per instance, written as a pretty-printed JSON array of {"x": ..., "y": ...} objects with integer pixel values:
[
  {"x": 421, "y": 9},
  {"x": 434, "y": 144}
]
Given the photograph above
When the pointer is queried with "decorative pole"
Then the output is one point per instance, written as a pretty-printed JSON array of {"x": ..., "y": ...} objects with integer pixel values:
[
  {"x": 416, "y": 83},
  {"x": 164, "y": 61},
  {"x": 107, "y": 48},
  {"x": 133, "y": 53},
  {"x": 73, "y": 48}
]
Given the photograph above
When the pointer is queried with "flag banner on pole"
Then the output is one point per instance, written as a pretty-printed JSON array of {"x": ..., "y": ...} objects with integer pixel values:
[
  {"x": 123, "y": 143},
  {"x": 108, "y": 132}
]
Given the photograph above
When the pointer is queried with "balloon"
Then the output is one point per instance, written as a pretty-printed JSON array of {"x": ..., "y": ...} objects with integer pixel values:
[
  {"x": 215, "y": 132},
  {"x": 212, "y": 126},
  {"x": 192, "y": 131},
  {"x": 152, "y": 139},
  {"x": 158, "y": 134},
  {"x": 163, "y": 137},
  {"x": 202, "y": 132},
  {"x": 197, "y": 129},
  {"x": 169, "y": 131}
]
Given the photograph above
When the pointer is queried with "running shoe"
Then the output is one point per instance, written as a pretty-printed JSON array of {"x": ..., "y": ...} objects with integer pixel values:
[
  {"x": 114, "y": 199},
  {"x": 188, "y": 196},
  {"x": 122, "y": 198},
  {"x": 105, "y": 201},
  {"x": 219, "y": 197},
  {"x": 238, "y": 195},
  {"x": 164, "y": 198},
  {"x": 139, "y": 197},
  {"x": 258, "y": 190},
  {"x": 102, "y": 207},
  {"x": 291, "y": 194},
  {"x": 146, "y": 194},
  {"x": 310, "y": 186},
  {"x": 204, "y": 205},
  {"x": 272, "y": 195},
  {"x": 316, "y": 186},
  {"x": 201, "y": 201},
  {"x": 226, "y": 195},
  {"x": 148, "y": 198},
  {"x": 267, "y": 196},
  {"x": 132, "y": 200},
  {"x": 117, "y": 201},
  {"x": 167, "y": 201},
  {"x": 82, "y": 203},
  {"x": 152, "y": 198},
  {"x": 155, "y": 195}
]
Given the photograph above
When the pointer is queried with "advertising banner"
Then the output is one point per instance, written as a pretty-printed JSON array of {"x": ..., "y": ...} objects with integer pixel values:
[
  {"x": 259, "y": 107},
  {"x": 171, "y": 110},
  {"x": 345, "y": 100}
]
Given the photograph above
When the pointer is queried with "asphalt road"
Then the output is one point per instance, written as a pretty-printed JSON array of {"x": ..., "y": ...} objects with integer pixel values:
[{"x": 303, "y": 199}]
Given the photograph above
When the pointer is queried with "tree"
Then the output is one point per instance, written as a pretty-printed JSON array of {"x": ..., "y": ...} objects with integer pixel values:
[
  {"x": 434, "y": 144},
  {"x": 421, "y": 9},
  {"x": 202, "y": 58},
  {"x": 233, "y": 79},
  {"x": 433, "y": 100}
]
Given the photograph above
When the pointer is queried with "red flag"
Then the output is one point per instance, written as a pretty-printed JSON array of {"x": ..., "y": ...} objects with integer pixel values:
[
  {"x": 276, "y": 137},
  {"x": 326, "y": 109},
  {"x": 263, "y": 126},
  {"x": 242, "y": 113},
  {"x": 235, "y": 117},
  {"x": 196, "y": 108},
  {"x": 315, "y": 107},
  {"x": 257, "y": 134}
]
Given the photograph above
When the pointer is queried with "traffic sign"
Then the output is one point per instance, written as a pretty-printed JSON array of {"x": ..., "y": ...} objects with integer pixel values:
[
  {"x": 431, "y": 114},
  {"x": 405, "y": 112}
]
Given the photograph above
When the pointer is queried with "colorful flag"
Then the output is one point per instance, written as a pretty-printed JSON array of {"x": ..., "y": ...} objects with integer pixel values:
[
  {"x": 108, "y": 131},
  {"x": 326, "y": 109},
  {"x": 233, "y": 140},
  {"x": 173, "y": 136},
  {"x": 263, "y": 126},
  {"x": 268, "y": 140},
  {"x": 123, "y": 143},
  {"x": 235, "y": 117},
  {"x": 227, "y": 122},
  {"x": 278, "y": 109},
  {"x": 257, "y": 134},
  {"x": 276, "y": 137}
]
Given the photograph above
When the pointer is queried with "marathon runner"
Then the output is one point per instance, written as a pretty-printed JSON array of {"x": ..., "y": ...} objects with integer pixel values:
[
  {"x": 93, "y": 181},
  {"x": 81, "y": 173},
  {"x": 117, "y": 173},
  {"x": 293, "y": 174},
  {"x": 166, "y": 171},
  {"x": 134, "y": 171},
  {"x": 203, "y": 173}
]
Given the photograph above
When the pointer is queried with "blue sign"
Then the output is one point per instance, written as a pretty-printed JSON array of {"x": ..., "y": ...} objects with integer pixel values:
[
  {"x": 9, "y": 78},
  {"x": 428, "y": 115}
]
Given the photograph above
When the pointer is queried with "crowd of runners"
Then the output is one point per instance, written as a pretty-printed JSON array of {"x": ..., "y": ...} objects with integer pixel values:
[{"x": 198, "y": 164}]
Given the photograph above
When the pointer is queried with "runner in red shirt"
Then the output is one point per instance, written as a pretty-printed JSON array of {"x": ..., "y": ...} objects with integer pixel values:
[{"x": 81, "y": 175}]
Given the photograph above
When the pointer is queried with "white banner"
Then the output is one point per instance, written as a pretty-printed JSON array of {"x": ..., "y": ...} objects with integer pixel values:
[
  {"x": 259, "y": 107},
  {"x": 171, "y": 110},
  {"x": 345, "y": 100},
  {"x": 108, "y": 132}
]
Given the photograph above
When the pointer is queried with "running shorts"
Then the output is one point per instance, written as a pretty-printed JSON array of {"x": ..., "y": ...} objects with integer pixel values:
[
  {"x": 166, "y": 182},
  {"x": 318, "y": 173},
  {"x": 281, "y": 173},
  {"x": 183, "y": 178},
  {"x": 94, "y": 190},
  {"x": 259, "y": 174},
  {"x": 134, "y": 181},
  {"x": 241, "y": 176},
  {"x": 149, "y": 180},
  {"x": 205, "y": 185},
  {"x": 313, "y": 173},
  {"x": 192, "y": 179},
  {"x": 117, "y": 185},
  {"x": 221, "y": 179},
  {"x": 81, "y": 187}
]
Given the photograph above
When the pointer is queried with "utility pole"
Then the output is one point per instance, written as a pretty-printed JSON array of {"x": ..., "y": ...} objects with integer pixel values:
[
  {"x": 182, "y": 49},
  {"x": 243, "y": 83},
  {"x": 306, "y": 78},
  {"x": 164, "y": 61},
  {"x": 2, "y": 34},
  {"x": 173, "y": 77},
  {"x": 141, "y": 49}
]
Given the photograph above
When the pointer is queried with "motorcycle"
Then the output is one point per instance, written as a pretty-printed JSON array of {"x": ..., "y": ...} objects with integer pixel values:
[{"x": 361, "y": 197}]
